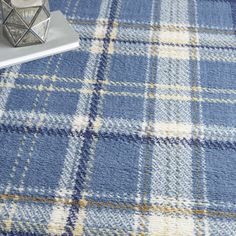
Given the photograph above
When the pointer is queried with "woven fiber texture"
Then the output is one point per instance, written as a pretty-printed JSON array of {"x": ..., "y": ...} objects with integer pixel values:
[{"x": 134, "y": 133}]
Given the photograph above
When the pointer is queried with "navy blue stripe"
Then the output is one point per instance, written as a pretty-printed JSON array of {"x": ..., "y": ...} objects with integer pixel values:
[
  {"x": 155, "y": 26},
  {"x": 88, "y": 135},
  {"x": 15, "y": 233},
  {"x": 2, "y": 72},
  {"x": 131, "y": 138},
  {"x": 160, "y": 44},
  {"x": 197, "y": 157},
  {"x": 233, "y": 10}
]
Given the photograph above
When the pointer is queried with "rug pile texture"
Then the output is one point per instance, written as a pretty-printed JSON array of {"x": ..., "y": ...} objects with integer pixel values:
[{"x": 134, "y": 133}]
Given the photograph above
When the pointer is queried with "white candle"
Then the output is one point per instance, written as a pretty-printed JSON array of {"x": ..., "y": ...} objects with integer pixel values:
[{"x": 26, "y": 3}]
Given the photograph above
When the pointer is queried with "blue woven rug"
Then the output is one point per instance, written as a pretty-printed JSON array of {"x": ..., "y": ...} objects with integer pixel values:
[{"x": 132, "y": 134}]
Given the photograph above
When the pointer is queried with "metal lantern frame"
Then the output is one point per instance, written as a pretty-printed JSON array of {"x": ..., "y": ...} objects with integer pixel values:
[{"x": 14, "y": 23}]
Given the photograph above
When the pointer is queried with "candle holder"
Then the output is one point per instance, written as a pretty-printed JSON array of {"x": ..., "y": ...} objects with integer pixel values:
[{"x": 25, "y": 22}]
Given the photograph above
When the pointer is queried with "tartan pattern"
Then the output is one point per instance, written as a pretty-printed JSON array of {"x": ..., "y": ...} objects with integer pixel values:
[{"x": 132, "y": 134}]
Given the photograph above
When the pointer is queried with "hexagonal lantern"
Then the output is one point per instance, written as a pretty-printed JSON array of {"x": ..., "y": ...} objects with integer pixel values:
[{"x": 25, "y": 22}]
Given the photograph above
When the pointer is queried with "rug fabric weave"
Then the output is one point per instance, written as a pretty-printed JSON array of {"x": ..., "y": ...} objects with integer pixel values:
[{"x": 134, "y": 133}]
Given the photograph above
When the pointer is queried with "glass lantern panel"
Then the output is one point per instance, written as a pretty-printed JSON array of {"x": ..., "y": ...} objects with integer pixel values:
[
  {"x": 29, "y": 39},
  {"x": 46, "y": 4},
  {"x": 7, "y": 34},
  {"x": 16, "y": 32},
  {"x": 14, "y": 19},
  {"x": 41, "y": 29},
  {"x": 6, "y": 9},
  {"x": 42, "y": 16},
  {"x": 27, "y": 14}
]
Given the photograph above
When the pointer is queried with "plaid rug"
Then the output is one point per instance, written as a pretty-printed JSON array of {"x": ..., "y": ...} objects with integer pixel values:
[{"x": 132, "y": 134}]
